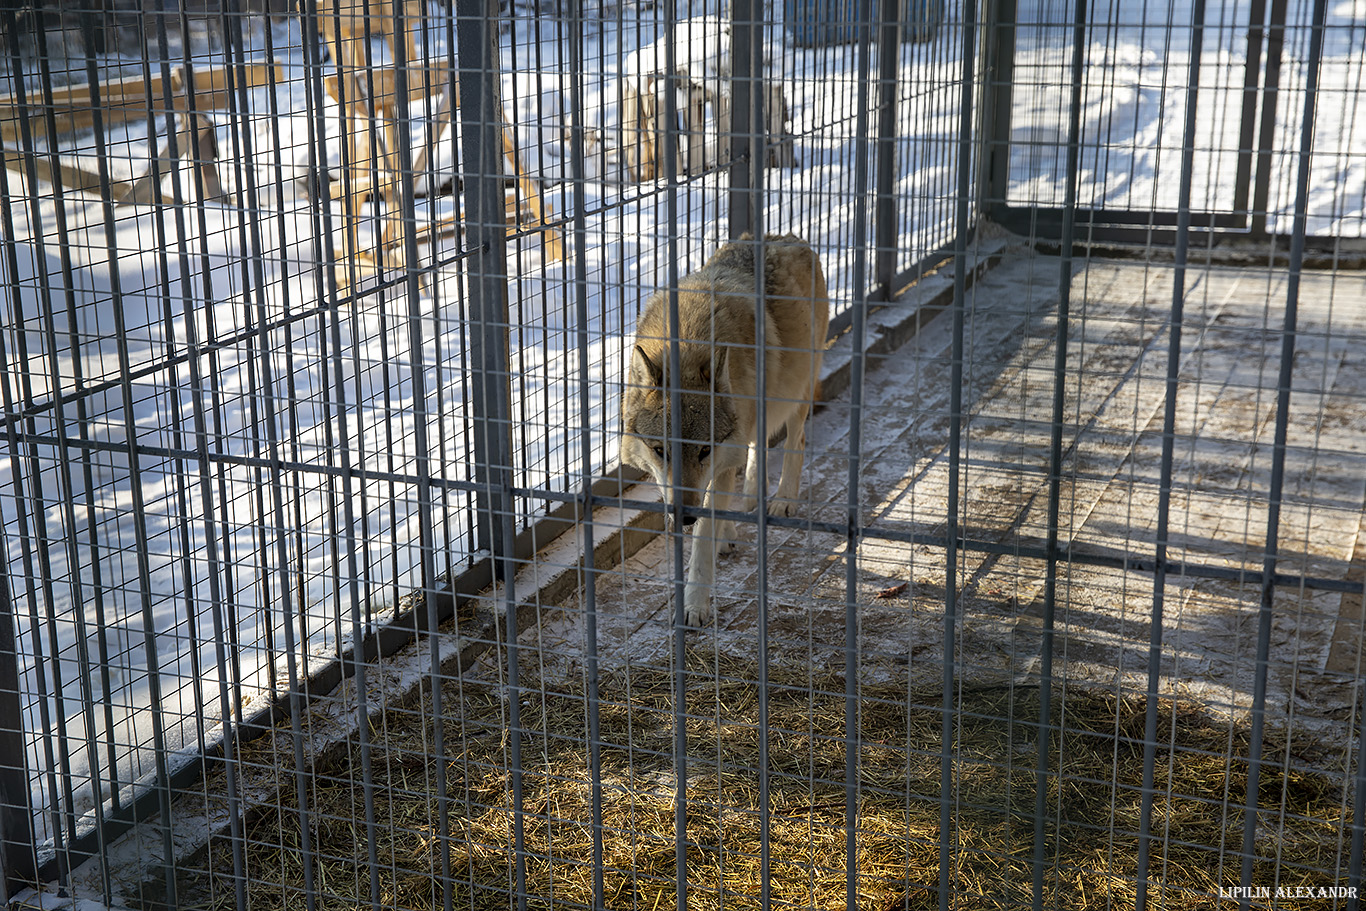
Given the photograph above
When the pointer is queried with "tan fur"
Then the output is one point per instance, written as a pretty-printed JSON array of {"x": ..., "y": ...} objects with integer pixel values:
[{"x": 718, "y": 386}]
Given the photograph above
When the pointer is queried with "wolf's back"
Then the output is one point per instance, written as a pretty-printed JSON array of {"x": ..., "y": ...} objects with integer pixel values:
[
  {"x": 792, "y": 270},
  {"x": 716, "y": 302}
]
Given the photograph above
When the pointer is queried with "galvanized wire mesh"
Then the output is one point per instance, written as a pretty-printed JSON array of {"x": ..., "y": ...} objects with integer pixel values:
[{"x": 326, "y": 587}]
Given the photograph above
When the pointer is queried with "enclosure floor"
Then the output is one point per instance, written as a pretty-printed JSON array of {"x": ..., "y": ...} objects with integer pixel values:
[{"x": 1109, "y": 502}]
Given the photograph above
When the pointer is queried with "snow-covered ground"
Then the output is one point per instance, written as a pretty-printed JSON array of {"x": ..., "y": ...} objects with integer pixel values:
[
  {"x": 1134, "y": 110},
  {"x": 203, "y": 335}
]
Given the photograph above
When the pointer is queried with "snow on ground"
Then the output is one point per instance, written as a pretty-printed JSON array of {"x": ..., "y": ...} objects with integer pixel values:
[{"x": 210, "y": 334}]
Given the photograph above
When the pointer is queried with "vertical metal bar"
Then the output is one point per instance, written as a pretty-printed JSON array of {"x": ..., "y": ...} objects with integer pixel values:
[
  {"x": 190, "y": 312},
  {"x": 1358, "y": 840},
  {"x": 274, "y": 515},
  {"x": 149, "y": 627},
  {"x": 1055, "y": 452},
  {"x": 1266, "y": 137},
  {"x": 264, "y": 417},
  {"x": 315, "y": 98},
  {"x": 1247, "y": 126},
  {"x": 890, "y": 30},
  {"x": 444, "y": 445},
  {"x": 994, "y": 150},
  {"x": 486, "y": 236},
  {"x": 142, "y": 543},
  {"x": 744, "y": 146},
  {"x": 222, "y": 612},
  {"x": 750, "y": 31},
  {"x": 466, "y": 517},
  {"x": 343, "y": 448},
  {"x": 486, "y": 231},
  {"x": 47, "y": 317},
  {"x": 1278, "y": 452},
  {"x": 332, "y": 396},
  {"x": 1155, "y": 634},
  {"x": 487, "y": 94},
  {"x": 747, "y": 140},
  {"x": 18, "y": 858},
  {"x": 675, "y": 444},
  {"x": 948, "y": 726},
  {"x": 579, "y": 178},
  {"x": 82, "y": 639},
  {"x": 853, "y": 518},
  {"x": 44, "y": 543},
  {"x": 96, "y": 582},
  {"x": 34, "y": 550}
]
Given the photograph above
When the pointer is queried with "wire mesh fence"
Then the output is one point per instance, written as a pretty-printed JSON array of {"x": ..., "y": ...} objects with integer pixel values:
[{"x": 338, "y": 339}]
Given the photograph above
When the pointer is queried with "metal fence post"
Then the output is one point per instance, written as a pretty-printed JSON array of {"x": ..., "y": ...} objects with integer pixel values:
[
  {"x": 993, "y": 162},
  {"x": 1170, "y": 404},
  {"x": 485, "y": 222},
  {"x": 952, "y": 531},
  {"x": 889, "y": 35},
  {"x": 854, "y": 525},
  {"x": 16, "y": 828},
  {"x": 746, "y": 109},
  {"x": 1284, "y": 380},
  {"x": 1054, "y": 557},
  {"x": 1266, "y": 134},
  {"x": 1257, "y": 34},
  {"x": 481, "y": 131}
]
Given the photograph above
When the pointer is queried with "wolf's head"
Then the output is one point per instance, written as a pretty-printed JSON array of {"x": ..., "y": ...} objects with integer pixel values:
[{"x": 705, "y": 425}]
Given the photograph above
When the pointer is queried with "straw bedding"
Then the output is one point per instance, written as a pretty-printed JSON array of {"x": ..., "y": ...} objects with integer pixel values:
[{"x": 1093, "y": 801}]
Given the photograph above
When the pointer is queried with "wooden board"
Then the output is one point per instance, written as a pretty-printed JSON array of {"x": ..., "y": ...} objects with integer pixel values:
[
  {"x": 131, "y": 98},
  {"x": 381, "y": 83}
]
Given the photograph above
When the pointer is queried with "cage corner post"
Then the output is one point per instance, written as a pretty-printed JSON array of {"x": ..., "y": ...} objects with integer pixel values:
[
  {"x": 746, "y": 93},
  {"x": 889, "y": 34},
  {"x": 485, "y": 221},
  {"x": 485, "y": 217},
  {"x": 17, "y": 857},
  {"x": 997, "y": 73}
]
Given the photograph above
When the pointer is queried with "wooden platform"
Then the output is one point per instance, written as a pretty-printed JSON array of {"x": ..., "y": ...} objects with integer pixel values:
[
  {"x": 188, "y": 97},
  {"x": 74, "y": 108},
  {"x": 1115, "y": 389}
]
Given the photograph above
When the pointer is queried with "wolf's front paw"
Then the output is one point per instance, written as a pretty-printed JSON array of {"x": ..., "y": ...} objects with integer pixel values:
[
  {"x": 782, "y": 507},
  {"x": 696, "y": 606}
]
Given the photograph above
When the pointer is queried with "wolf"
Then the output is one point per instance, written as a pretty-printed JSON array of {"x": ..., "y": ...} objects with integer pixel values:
[{"x": 717, "y": 426}]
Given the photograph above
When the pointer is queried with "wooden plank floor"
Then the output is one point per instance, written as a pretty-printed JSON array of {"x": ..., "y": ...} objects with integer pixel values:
[{"x": 1113, "y": 412}]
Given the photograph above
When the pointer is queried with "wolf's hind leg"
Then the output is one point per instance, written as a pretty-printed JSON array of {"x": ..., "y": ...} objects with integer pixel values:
[{"x": 784, "y": 503}]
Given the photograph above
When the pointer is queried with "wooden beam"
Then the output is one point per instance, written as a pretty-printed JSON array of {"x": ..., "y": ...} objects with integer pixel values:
[
  {"x": 129, "y": 98},
  {"x": 424, "y": 81},
  {"x": 72, "y": 177}
]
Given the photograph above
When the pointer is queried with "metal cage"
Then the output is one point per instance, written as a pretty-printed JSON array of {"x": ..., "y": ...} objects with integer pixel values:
[{"x": 326, "y": 584}]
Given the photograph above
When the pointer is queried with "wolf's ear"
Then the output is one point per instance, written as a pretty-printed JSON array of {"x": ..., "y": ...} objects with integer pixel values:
[{"x": 645, "y": 372}]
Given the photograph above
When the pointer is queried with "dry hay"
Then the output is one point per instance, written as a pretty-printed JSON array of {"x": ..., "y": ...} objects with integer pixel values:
[{"x": 1093, "y": 804}]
